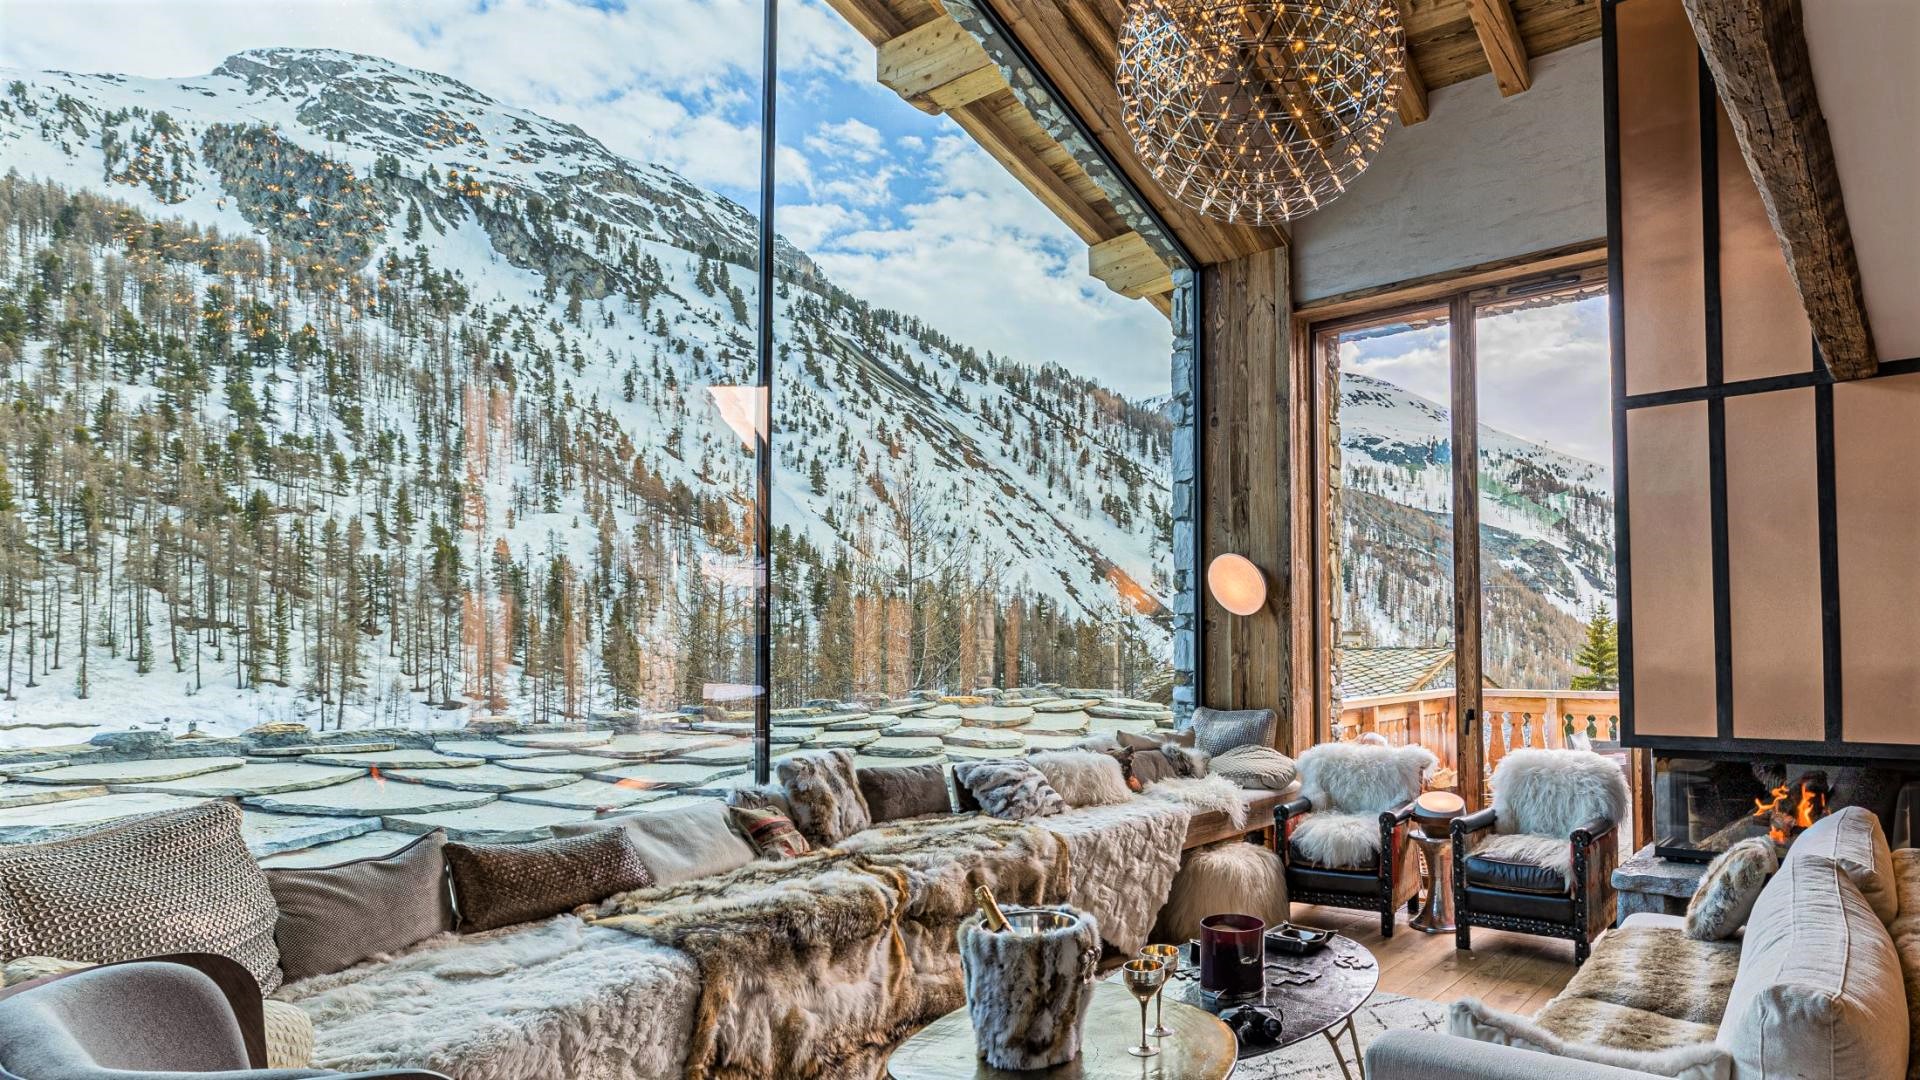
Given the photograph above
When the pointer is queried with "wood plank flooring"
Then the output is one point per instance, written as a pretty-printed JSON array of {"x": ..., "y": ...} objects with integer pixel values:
[{"x": 1513, "y": 972}]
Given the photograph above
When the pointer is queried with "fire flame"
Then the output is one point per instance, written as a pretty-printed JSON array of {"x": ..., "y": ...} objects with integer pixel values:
[{"x": 1811, "y": 805}]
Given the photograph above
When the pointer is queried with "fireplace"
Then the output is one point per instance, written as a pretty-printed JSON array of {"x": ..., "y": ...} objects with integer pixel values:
[{"x": 1702, "y": 806}]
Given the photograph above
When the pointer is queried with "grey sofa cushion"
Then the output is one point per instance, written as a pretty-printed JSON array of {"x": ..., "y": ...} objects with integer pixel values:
[
  {"x": 1217, "y": 731},
  {"x": 333, "y": 917},
  {"x": 172, "y": 882},
  {"x": 693, "y": 841},
  {"x": 1257, "y": 767},
  {"x": 903, "y": 791}
]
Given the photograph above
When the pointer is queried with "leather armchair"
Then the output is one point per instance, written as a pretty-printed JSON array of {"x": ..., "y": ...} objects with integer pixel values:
[
  {"x": 1511, "y": 895},
  {"x": 1393, "y": 881},
  {"x": 186, "y": 1017}
]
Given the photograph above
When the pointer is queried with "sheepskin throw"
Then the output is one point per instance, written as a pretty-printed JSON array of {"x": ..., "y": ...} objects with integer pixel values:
[
  {"x": 499, "y": 885},
  {"x": 550, "y": 999},
  {"x": 1260, "y": 768},
  {"x": 1217, "y": 731},
  {"x": 1027, "y": 993},
  {"x": 1732, "y": 883},
  {"x": 1232, "y": 875},
  {"x": 1083, "y": 777},
  {"x": 1547, "y": 852},
  {"x": 826, "y": 799},
  {"x": 811, "y": 966},
  {"x": 1469, "y": 1019},
  {"x": 1204, "y": 794},
  {"x": 1338, "y": 841},
  {"x": 1554, "y": 792},
  {"x": 1011, "y": 789},
  {"x": 1124, "y": 857},
  {"x": 1358, "y": 779},
  {"x": 903, "y": 791}
]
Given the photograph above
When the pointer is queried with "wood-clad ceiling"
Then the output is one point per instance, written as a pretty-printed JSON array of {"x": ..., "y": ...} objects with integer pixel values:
[{"x": 1075, "y": 43}]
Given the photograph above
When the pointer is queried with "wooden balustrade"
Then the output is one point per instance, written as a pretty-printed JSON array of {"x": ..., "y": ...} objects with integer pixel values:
[{"x": 1511, "y": 720}]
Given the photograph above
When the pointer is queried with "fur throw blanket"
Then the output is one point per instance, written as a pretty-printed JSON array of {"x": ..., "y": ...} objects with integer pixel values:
[
  {"x": 1553, "y": 792},
  {"x": 1201, "y": 794},
  {"x": 809, "y": 967},
  {"x": 1124, "y": 858},
  {"x": 1354, "y": 778},
  {"x": 532, "y": 1002}
]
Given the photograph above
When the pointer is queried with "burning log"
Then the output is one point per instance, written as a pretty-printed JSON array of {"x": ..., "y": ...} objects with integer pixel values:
[{"x": 1793, "y": 807}]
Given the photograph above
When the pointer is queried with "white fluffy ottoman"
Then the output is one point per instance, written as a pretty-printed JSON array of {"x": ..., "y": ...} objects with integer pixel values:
[{"x": 1231, "y": 876}]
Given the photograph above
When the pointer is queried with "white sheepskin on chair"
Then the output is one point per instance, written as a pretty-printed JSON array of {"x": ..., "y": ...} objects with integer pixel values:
[
  {"x": 1553, "y": 792},
  {"x": 1232, "y": 876},
  {"x": 1352, "y": 778},
  {"x": 1338, "y": 841}
]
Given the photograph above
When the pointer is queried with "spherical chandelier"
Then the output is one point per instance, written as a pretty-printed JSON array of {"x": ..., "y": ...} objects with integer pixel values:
[{"x": 1253, "y": 111}]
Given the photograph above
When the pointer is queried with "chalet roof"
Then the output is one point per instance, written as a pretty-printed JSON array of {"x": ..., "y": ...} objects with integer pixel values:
[{"x": 1371, "y": 672}]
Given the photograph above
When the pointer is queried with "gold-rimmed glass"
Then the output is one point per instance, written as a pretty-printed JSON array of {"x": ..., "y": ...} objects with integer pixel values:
[
  {"x": 1144, "y": 978},
  {"x": 1168, "y": 955}
]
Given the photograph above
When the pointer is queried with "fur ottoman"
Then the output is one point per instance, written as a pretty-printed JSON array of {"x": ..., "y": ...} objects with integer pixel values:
[
  {"x": 1027, "y": 990},
  {"x": 1231, "y": 876}
]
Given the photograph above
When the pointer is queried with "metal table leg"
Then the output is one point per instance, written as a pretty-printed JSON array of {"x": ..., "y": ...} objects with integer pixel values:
[{"x": 1359, "y": 1069}]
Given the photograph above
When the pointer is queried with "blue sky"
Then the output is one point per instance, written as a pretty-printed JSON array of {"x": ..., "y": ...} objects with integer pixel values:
[{"x": 899, "y": 207}]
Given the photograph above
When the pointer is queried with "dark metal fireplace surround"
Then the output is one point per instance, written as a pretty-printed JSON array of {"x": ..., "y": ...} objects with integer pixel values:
[{"x": 1704, "y": 804}]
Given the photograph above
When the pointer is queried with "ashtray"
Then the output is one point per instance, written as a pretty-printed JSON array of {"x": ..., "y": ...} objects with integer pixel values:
[{"x": 1298, "y": 940}]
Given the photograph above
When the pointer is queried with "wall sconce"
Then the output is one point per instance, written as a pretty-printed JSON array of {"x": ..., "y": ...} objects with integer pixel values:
[{"x": 1237, "y": 584}]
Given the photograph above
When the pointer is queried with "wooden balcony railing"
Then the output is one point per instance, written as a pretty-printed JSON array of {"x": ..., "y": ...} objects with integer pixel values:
[{"x": 1510, "y": 720}]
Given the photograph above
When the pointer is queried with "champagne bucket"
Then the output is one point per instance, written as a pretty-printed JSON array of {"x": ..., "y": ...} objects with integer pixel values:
[{"x": 1028, "y": 987}]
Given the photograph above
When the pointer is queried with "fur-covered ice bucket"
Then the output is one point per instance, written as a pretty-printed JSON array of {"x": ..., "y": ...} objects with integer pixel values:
[{"x": 1028, "y": 987}]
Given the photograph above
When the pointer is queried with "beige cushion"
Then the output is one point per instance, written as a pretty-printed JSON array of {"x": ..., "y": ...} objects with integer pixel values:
[
  {"x": 693, "y": 841},
  {"x": 289, "y": 1035},
  {"x": 333, "y": 917},
  {"x": 1906, "y": 941},
  {"x": 172, "y": 882},
  {"x": 1470, "y": 1019},
  {"x": 28, "y": 968},
  {"x": 1819, "y": 995},
  {"x": 1852, "y": 839}
]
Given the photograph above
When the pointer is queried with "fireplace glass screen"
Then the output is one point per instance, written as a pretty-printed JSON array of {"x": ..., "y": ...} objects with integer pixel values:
[{"x": 1701, "y": 806}]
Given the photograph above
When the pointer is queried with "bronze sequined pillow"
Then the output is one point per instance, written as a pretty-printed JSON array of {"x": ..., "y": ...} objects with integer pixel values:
[
  {"x": 771, "y": 833},
  {"x": 498, "y": 885}
]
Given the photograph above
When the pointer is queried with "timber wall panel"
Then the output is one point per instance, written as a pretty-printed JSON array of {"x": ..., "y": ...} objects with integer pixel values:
[
  {"x": 1773, "y": 556},
  {"x": 1877, "y": 509},
  {"x": 1672, "y": 558}
]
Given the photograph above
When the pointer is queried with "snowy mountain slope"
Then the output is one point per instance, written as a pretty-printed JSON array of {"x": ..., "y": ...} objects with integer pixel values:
[{"x": 414, "y": 289}]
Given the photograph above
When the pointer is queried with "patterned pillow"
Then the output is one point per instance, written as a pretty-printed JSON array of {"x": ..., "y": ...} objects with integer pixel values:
[
  {"x": 176, "y": 881},
  {"x": 1726, "y": 893},
  {"x": 502, "y": 884},
  {"x": 771, "y": 833},
  {"x": 1010, "y": 789},
  {"x": 333, "y": 917},
  {"x": 826, "y": 799},
  {"x": 1219, "y": 730},
  {"x": 1257, "y": 767}
]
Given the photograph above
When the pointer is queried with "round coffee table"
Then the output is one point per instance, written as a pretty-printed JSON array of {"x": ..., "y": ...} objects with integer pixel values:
[
  {"x": 1200, "y": 1048},
  {"x": 1315, "y": 994}
]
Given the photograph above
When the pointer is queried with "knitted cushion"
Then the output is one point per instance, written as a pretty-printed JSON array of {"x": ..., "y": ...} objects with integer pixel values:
[
  {"x": 1219, "y": 730},
  {"x": 172, "y": 882},
  {"x": 502, "y": 884}
]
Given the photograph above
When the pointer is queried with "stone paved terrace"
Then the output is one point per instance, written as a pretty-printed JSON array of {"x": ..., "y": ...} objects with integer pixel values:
[{"x": 317, "y": 798}]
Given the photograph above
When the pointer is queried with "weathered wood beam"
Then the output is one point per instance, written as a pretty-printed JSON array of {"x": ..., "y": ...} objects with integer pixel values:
[
  {"x": 938, "y": 67},
  {"x": 1411, "y": 99},
  {"x": 870, "y": 17},
  {"x": 1757, "y": 53},
  {"x": 1129, "y": 266},
  {"x": 1499, "y": 37},
  {"x": 996, "y": 137}
]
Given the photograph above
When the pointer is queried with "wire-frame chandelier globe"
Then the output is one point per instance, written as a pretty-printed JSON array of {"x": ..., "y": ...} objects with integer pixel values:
[{"x": 1256, "y": 112}]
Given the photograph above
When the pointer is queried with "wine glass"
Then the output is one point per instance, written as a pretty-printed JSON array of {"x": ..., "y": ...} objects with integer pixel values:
[
  {"x": 1170, "y": 956},
  {"x": 1144, "y": 979}
]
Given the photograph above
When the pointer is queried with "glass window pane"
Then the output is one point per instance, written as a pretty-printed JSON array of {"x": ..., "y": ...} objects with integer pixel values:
[{"x": 379, "y": 367}]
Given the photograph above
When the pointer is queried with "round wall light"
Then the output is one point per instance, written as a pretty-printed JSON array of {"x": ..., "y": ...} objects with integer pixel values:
[{"x": 1237, "y": 584}]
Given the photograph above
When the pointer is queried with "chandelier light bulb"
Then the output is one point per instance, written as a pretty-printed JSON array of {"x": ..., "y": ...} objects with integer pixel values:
[{"x": 1256, "y": 113}]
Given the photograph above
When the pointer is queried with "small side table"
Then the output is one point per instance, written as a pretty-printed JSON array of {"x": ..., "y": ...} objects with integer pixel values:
[{"x": 1433, "y": 815}]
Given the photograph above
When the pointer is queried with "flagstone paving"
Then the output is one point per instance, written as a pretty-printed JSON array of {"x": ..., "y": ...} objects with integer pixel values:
[
  {"x": 368, "y": 797},
  {"x": 904, "y": 746},
  {"x": 558, "y": 763},
  {"x": 493, "y": 823},
  {"x": 1061, "y": 723},
  {"x": 654, "y": 745},
  {"x": 267, "y": 834},
  {"x": 1057, "y": 705},
  {"x": 254, "y": 778},
  {"x": 303, "y": 749},
  {"x": 493, "y": 751},
  {"x": 131, "y": 772},
  {"x": 734, "y": 753},
  {"x": 590, "y": 795},
  {"x": 368, "y": 845},
  {"x": 864, "y": 723},
  {"x": 12, "y": 794},
  {"x": 563, "y": 739},
  {"x": 833, "y": 740},
  {"x": 50, "y": 821},
  {"x": 982, "y": 753},
  {"x": 994, "y": 716},
  {"x": 395, "y": 759},
  {"x": 1040, "y": 740},
  {"x": 920, "y": 726},
  {"x": 668, "y": 775},
  {"x": 488, "y": 777},
  {"x": 984, "y": 739}
]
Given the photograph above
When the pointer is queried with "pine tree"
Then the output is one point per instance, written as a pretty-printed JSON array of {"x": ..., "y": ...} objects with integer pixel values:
[{"x": 1600, "y": 655}]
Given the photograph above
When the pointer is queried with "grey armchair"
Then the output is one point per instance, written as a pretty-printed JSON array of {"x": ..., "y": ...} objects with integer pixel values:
[{"x": 168, "y": 1018}]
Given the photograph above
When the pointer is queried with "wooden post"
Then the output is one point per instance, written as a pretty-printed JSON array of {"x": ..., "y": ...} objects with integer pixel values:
[{"x": 1466, "y": 549}]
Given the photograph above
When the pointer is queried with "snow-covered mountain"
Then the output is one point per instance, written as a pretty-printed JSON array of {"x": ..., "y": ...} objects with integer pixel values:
[
  {"x": 389, "y": 401},
  {"x": 1546, "y": 521}
]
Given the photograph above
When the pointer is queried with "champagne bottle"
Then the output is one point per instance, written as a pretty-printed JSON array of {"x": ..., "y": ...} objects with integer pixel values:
[{"x": 990, "y": 915}]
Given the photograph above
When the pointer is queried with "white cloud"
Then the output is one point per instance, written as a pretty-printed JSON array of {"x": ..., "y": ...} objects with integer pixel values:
[{"x": 810, "y": 225}]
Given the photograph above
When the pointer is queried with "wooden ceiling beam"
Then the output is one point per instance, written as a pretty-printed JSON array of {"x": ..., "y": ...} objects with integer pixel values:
[
  {"x": 937, "y": 67},
  {"x": 1129, "y": 266},
  {"x": 1757, "y": 52},
  {"x": 1499, "y": 34},
  {"x": 1410, "y": 99},
  {"x": 980, "y": 120},
  {"x": 872, "y": 18}
]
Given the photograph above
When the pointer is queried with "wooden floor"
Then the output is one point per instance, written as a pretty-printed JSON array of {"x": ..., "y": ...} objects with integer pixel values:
[{"x": 1513, "y": 972}]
